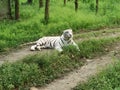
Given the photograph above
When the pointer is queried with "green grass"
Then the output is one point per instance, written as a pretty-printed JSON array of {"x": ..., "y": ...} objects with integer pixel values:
[
  {"x": 40, "y": 69},
  {"x": 31, "y": 24},
  {"x": 108, "y": 79}
]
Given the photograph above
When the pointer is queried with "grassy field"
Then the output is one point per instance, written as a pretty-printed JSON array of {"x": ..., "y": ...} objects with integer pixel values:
[
  {"x": 31, "y": 24},
  {"x": 108, "y": 79},
  {"x": 39, "y": 70}
]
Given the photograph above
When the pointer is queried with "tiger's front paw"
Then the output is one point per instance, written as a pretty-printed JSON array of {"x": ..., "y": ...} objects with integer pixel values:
[{"x": 38, "y": 48}]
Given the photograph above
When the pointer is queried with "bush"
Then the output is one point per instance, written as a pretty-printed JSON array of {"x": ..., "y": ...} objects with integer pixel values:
[{"x": 18, "y": 74}]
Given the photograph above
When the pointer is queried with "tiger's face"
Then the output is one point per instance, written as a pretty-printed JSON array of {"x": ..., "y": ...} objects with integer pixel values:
[{"x": 68, "y": 34}]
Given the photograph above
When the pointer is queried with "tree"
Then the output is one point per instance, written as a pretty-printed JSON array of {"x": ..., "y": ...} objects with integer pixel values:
[
  {"x": 47, "y": 10},
  {"x": 76, "y": 5},
  {"x": 29, "y": 1},
  {"x": 40, "y": 3},
  {"x": 64, "y": 2},
  {"x": 16, "y": 9},
  {"x": 9, "y": 10},
  {"x": 96, "y": 6}
]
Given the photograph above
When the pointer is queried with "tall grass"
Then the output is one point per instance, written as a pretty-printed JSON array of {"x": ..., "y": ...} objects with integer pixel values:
[{"x": 31, "y": 24}]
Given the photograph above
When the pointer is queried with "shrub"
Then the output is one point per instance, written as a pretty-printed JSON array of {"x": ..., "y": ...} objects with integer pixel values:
[{"x": 18, "y": 74}]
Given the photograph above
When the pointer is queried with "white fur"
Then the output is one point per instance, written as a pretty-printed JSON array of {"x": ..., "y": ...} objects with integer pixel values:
[{"x": 56, "y": 42}]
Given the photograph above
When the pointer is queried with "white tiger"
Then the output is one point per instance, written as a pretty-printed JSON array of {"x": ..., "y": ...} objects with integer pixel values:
[{"x": 56, "y": 42}]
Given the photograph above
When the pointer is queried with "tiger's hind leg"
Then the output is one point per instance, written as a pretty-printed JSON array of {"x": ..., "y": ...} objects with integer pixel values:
[{"x": 38, "y": 48}]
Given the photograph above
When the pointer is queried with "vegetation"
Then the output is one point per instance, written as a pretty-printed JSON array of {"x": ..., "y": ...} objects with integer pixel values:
[
  {"x": 31, "y": 25},
  {"x": 108, "y": 79},
  {"x": 37, "y": 70}
]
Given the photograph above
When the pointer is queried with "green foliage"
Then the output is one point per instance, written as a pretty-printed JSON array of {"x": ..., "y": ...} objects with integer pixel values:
[
  {"x": 106, "y": 80},
  {"x": 89, "y": 48},
  {"x": 18, "y": 75},
  {"x": 38, "y": 70}
]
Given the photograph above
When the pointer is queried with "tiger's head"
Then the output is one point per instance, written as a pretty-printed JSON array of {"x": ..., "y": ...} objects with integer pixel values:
[{"x": 67, "y": 34}]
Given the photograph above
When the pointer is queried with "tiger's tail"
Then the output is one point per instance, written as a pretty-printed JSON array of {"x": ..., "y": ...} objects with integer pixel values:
[{"x": 29, "y": 43}]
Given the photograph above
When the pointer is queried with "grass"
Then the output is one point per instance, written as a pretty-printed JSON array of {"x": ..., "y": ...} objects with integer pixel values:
[
  {"x": 40, "y": 69},
  {"x": 31, "y": 25},
  {"x": 106, "y": 80}
]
